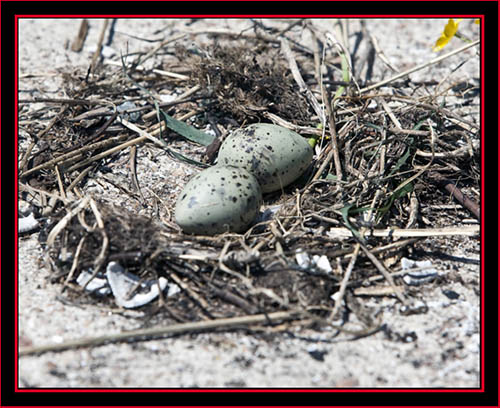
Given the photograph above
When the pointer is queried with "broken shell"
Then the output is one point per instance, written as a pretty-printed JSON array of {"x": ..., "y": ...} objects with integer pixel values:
[
  {"x": 122, "y": 283},
  {"x": 27, "y": 224}
]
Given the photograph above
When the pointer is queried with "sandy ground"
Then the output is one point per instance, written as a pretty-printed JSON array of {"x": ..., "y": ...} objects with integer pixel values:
[{"x": 436, "y": 349}]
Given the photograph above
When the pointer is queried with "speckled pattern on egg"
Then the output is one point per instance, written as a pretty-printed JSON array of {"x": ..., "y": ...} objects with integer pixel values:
[
  {"x": 218, "y": 199},
  {"x": 275, "y": 155}
]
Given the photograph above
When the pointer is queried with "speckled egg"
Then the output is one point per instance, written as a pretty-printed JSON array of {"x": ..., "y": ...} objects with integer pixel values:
[
  {"x": 275, "y": 155},
  {"x": 218, "y": 199}
]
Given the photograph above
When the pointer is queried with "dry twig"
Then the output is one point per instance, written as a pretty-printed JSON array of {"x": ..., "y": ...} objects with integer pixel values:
[{"x": 156, "y": 332}]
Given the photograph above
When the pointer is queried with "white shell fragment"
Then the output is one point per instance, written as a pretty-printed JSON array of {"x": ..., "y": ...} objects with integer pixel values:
[
  {"x": 24, "y": 208},
  {"x": 122, "y": 283},
  {"x": 276, "y": 156},
  {"x": 166, "y": 98},
  {"x": 27, "y": 224},
  {"x": 218, "y": 199},
  {"x": 317, "y": 262},
  {"x": 126, "y": 106},
  {"x": 97, "y": 285},
  {"x": 424, "y": 272}
]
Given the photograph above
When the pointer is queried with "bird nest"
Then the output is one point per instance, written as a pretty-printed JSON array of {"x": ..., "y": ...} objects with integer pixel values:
[{"x": 383, "y": 161}]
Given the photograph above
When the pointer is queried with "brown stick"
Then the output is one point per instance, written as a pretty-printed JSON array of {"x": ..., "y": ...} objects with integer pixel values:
[
  {"x": 449, "y": 186},
  {"x": 77, "y": 44},
  {"x": 333, "y": 133},
  {"x": 134, "y": 335},
  {"x": 97, "y": 53},
  {"x": 383, "y": 270}
]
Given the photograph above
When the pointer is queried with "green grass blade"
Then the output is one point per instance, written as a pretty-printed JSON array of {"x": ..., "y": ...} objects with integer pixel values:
[
  {"x": 187, "y": 131},
  {"x": 345, "y": 76},
  {"x": 406, "y": 189},
  {"x": 345, "y": 215}
]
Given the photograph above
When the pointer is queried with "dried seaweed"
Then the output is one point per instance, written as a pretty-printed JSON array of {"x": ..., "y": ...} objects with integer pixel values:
[{"x": 247, "y": 81}]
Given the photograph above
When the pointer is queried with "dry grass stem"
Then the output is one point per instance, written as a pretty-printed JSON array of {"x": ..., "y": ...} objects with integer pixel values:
[
  {"x": 154, "y": 70},
  {"x": 97, "y": 54},
  {"x": 300, "y": 81},
  {"x": 468, "y": 231},
  {"x": 419, "y": 67},
  {"x": 156, "y": 332},
  {"x": 79, "y": 40}
]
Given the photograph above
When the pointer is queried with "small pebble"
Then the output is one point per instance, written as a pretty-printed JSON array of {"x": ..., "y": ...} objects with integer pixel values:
[
  {"x": 316, "y": 353},
  {"x": 450, "y": 294}
]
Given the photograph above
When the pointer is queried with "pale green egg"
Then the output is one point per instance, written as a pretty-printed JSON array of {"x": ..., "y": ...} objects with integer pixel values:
[
  {"x": 219, "y": 199},
  {"x": 276, "y": 156}
]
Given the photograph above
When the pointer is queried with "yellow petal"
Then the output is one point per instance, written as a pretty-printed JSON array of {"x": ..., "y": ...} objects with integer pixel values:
[
  {"x": 441, "y": 42},
  {"x": 450, "y": 28}
]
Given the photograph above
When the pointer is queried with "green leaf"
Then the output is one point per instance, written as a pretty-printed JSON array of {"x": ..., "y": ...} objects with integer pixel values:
[
  {"x": 419, "y": 124},
  {"x": 373, "y": 126},
  {"x": 406, "y": 189},
  {"x": 339, "y": 92},
  {"x": 187, "y": 131},
  {"x": 345, "y": 215},
  {"x": 402, "y": 160},
  {"x": 345, "y": 75},
  {"x": 182, "y": 128}
]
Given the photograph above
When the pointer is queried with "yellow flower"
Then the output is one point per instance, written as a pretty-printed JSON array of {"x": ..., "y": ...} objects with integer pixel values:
[{"x": 449, "y": 31}]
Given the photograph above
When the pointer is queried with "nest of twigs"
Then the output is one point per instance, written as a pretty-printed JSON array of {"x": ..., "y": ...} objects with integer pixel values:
[{"x": 384, "y": 160}]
